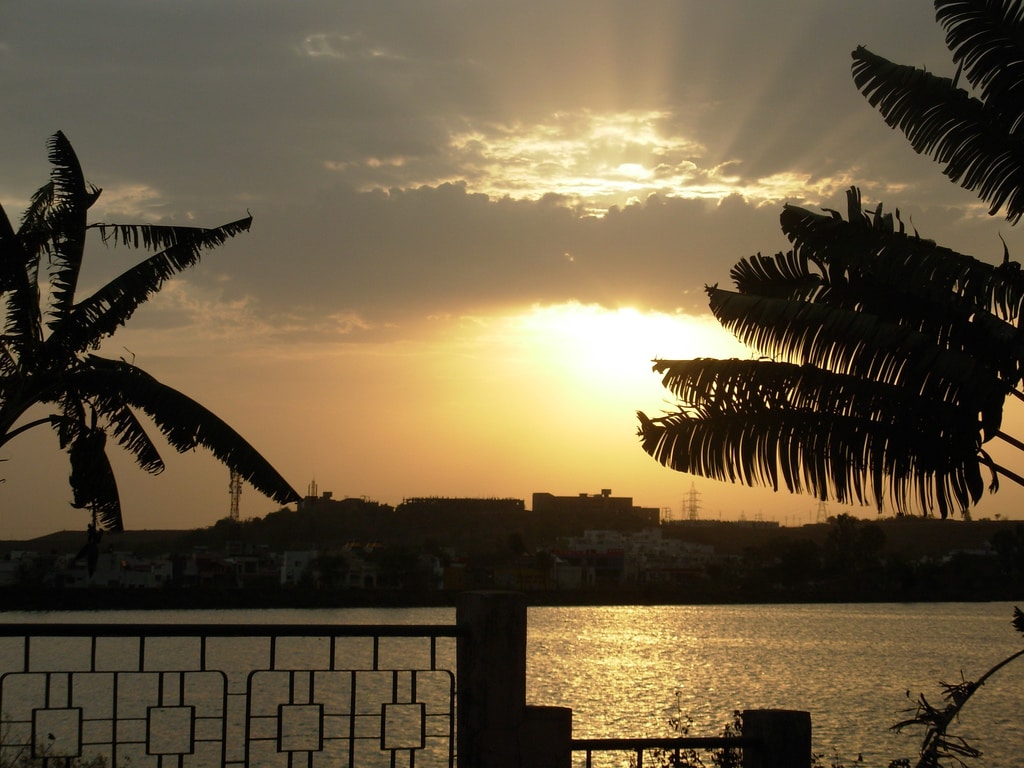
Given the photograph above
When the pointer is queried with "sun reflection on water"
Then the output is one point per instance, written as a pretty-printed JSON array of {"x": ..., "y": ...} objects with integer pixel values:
[{"x": 620, "y": 669}]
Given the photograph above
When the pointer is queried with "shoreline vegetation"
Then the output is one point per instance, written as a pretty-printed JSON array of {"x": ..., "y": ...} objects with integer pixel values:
[{"x": 841, "y": 560}]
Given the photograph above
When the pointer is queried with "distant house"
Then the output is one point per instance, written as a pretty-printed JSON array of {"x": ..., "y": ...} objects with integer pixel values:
[
  {"x": 597, "y": 558},
  {"x": 145, "y": 573},
  {"x": 522, "y": 574},
  {"x": 605, "y": 558},
  {"x": 653, "y": 559},
  {"x": 114, "y": 569},
  {"x": 294, "y": 564},
  {"x": 14, "y": 566}
]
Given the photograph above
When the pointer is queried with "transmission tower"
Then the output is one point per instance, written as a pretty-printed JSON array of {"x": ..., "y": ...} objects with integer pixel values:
[
  {"x": 691, "y": 505},
  {"x": 235, "y": 487},
  {"x": 822, "y": 513}
]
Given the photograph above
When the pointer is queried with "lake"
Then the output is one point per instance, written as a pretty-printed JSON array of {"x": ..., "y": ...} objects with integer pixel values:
[{"x": 626, "y": 670}]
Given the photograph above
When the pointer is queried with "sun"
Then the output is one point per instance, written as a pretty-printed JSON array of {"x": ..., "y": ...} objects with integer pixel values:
[
  {"x": 607, "y": 353},
  {"x": 567, "y": 358}
]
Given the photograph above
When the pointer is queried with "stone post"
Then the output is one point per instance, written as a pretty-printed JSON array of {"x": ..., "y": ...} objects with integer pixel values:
[
  {"x": 491, "y": 679},
  {"x": 546, "y": 738},
  {"x": 783, "y": 736}
]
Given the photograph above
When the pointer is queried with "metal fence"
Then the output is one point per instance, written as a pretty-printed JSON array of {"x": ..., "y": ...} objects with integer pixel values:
[
  {"x": 669, "y": 751},
  {"x": 213, "y": 695},
  {"x": 287, "y": 696}
]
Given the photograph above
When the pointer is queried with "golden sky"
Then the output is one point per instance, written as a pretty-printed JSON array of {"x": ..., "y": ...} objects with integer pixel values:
[{"x": 475, "y": 223}]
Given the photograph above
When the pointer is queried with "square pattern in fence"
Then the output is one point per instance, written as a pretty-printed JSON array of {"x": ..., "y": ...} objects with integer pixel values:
[{"x": 229, "y": 695}]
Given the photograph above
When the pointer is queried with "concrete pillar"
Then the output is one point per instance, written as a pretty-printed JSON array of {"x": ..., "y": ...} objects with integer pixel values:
[
  {"x": 491, "y": 678},
  {"x": 546, "y": 738},
  {"x": 784, "y": 736}
]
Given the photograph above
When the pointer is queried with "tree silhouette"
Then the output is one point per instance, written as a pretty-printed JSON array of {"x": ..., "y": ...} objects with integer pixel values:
[
  {"x": 976, "y": 138},
  {"x": 49, "y": 338},
  {"x": 886, "y": 358},
  {"x": 886, "y": 361}
]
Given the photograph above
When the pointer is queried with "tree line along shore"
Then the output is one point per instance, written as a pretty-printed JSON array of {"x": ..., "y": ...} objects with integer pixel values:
[{"x": 427, "y": 559}]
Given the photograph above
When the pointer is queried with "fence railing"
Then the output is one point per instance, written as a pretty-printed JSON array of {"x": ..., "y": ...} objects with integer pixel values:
[
  {"x": 770, "y": 739},
  {"x": 667, "y": 751},
  {"x": 272, "y": 695},
  {"x": 222, "y": 695}
]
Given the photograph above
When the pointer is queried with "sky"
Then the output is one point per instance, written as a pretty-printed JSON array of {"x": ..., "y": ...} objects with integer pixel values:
[{"x": 475, "y": 224}]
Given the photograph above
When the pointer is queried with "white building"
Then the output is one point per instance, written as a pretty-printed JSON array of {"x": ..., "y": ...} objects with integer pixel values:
[{"x": 295, "y": 563}]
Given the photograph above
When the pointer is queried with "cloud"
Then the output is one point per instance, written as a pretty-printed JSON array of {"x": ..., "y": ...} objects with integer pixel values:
[
  {"x": 413, "y": 166},
  {"x": 129, "y": 202},
  {"x": 344, "y": 46},
  {"x": 185, "y": 316},
  {"x": 395, "y": 257}
]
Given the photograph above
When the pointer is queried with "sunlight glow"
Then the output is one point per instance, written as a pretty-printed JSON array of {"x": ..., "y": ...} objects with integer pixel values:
[
  {"x": 504, "y": 402},
  {"x": 593, "y": 160},
  {"x": 605, "y": 355},
  {"x": 597, "y": 160}
]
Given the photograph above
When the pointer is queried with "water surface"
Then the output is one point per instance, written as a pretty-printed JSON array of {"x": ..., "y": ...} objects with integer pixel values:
[{"x": 625, "y": 671}]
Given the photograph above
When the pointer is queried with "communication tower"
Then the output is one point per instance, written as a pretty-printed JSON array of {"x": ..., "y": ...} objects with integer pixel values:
[
  {"x": 235, "y": 487},
  {"x": 691, "y": 504},
  {"x": 822, "y": 516}
]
